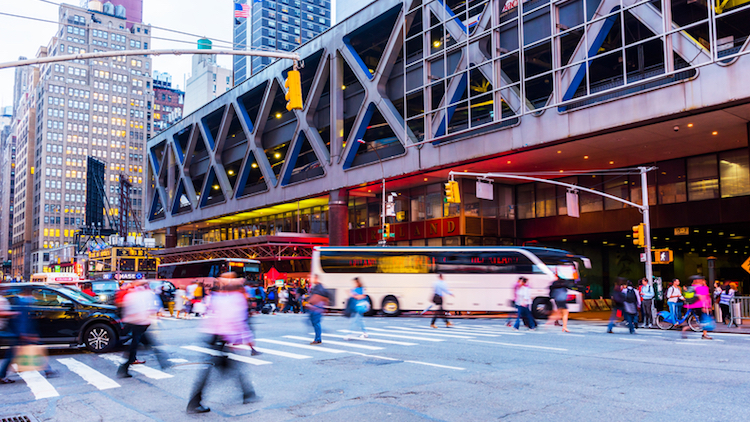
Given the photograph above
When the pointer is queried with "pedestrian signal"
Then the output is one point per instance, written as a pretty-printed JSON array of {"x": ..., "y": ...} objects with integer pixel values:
[
  {"x": 452, "y": 195},
  {"x": 294, "y": 91},
  {"x": 662, "y": 256},
  {"x": 638, "y": 235}
]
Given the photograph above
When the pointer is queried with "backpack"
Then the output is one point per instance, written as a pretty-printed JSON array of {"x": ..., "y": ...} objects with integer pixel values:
[
  {"x": 689, "y": 295},
  {"x": 630, "y": 296}
]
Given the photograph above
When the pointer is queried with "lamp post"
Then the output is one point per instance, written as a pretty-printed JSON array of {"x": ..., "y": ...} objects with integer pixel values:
[{"x": 382, "y": 240}]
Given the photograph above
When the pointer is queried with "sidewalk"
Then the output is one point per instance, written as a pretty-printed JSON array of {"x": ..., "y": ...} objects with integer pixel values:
[{"x": 603, "y": 316}]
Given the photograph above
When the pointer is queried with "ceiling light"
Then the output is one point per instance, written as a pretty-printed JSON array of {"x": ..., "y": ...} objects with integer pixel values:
[
  {"x": 690, "y": 125},
  {"x": 277, "y": 155},
  {"x": 559, "y": 152},
  {"x": 254, "y": 165},
  {"x": 230, "y": 172},
  {"x": 714, "y": 133},
  {"x": 611, "y": 162},
  {"x": 216, "y": 187},
  {"x": 278, "y": 115},
  {"x": 585, "y": 157},
  {"x": 425, "y": 179},
  {"x": 561, "y": 171},
  {"x": 508, "y": 161},
  {"x": 343, "y": 87},
  {"x": 436, "y": 43},
  {"x": 585, "y": 241}
]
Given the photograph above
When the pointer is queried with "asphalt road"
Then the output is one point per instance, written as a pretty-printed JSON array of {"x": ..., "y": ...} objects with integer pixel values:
[{"x": 477, "y": 370}]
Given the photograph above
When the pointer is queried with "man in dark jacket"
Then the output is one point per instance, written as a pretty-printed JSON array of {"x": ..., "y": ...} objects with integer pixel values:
[{"x": 618, "y": 299}]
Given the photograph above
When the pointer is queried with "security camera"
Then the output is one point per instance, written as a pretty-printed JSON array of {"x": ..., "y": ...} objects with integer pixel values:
[{"x": 676, "y": 128}]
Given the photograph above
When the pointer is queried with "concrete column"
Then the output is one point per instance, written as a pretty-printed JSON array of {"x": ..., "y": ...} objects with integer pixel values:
[
  {"x": 170, "y": 238},
  {"x": 338, "y": 218}
]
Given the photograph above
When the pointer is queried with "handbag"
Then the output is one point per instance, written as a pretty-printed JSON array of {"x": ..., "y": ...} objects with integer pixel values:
[
  {"x": 437, "y": 299},
  {"x": 362, "y": 306},
  {"x": 31, "y": 357}
]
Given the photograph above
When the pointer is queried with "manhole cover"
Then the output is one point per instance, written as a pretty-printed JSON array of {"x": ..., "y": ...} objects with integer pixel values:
[{"x": 24, "y": 417}]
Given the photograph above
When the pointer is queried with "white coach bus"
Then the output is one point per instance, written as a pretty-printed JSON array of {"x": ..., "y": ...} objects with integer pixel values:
[{"x": 482, "y": 279}]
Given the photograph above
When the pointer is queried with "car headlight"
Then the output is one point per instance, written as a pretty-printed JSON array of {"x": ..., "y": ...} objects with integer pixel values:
[{"x": 103, "y": 298}]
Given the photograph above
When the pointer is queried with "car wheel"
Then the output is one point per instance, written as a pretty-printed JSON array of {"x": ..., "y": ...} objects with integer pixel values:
[
  {"x": 99, "y": 338},
  {"x": 541, "y": 308},
  {"x": 391, "y": 307}
]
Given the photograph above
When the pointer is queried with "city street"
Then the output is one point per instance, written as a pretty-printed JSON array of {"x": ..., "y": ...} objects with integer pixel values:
[{"x": 480, "y": 369}]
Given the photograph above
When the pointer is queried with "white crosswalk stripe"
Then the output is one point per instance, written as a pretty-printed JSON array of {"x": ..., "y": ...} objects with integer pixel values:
[
  {"x": 421, "y": 332},
  {"x": 374, "y": 340},
  {"x": 386, "y": 334},
  {"x": 338, "y": 343},
  {"x": 89, "y": 374},
  {"x": 302, "y": 346},
  {"x": 238, "y": 358},
  {"x": 451, "y": 330},
  {"x": 39, "y": 386},
  {"x": 275, "y": 352},
  {"x": 141, "y": 369}
]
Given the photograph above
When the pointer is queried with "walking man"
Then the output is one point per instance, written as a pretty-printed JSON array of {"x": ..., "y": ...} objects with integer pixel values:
[
  {"x": 617, "y": 301},
  {"x": 316, "y": 305},
  {"x": 523, "y": 303},
  {"x": 138, "y": 314},
  {"x": 630, "y": 306},
  {"x": 647, "y": 303},
  {"x": 441, "y": 290}
]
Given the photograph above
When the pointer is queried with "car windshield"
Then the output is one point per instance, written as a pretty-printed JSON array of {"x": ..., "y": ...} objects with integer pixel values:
[
  {"x": 107, "y": 286},
  {"x": 76, "y": 295}
]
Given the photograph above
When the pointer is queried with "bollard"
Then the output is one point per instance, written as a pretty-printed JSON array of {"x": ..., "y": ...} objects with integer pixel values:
[{"x": 736, "y": 313}]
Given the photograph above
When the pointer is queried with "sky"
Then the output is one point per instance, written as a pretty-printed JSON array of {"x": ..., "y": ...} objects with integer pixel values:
[{"x": 209, "y": 18}]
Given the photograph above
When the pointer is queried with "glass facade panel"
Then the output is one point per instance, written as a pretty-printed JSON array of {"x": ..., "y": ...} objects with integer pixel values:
[
  {"x": 615, "y": 186},
  {"x": 546, "y": 203},
  {"x": 590, "y": 202},
  {"x": 525, "y": 195},
  {"x": 703, "y": 177},
  {"x": 735, "y": 174},
  {"x": 671, "y": 178}
]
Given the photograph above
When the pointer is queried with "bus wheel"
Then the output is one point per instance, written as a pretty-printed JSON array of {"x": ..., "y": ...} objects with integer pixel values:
[
  {"x": 372, "y": 311},
  {"x": 390, "y": 306},
  {"x": 541, "y": 308}
]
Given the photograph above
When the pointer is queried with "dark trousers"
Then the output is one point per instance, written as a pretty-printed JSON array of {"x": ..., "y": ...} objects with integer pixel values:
[
  {"x": 225, "y": 365},
  {"x": 12, "y": 341},
  {"x": 139, "y": 336},
  {"x": 648, "y": 317},
  {"x": 440, "y": 312},
  {"x": 525, "y": 313},
  {"x": 725, "y": 313},
  {"x": 631, "y": 320}
]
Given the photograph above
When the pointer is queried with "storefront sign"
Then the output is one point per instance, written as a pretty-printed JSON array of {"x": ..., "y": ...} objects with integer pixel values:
[{"x": 681, "y": 231}]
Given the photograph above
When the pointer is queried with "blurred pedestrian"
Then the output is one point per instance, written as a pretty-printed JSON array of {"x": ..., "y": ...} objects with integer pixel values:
[
  {"x": 87, "y": 289},
  {"x": 139, "y": 311},
  {"x": 316, "y": 306},
  {"x": 228, "y": 326},
  {"x": 23, "y": 330},
  {"x": 360, "y": 306},
  {"x": 647, "y": 303},
  {"x": 725, "y": 300},
  {"x": 630, "y": 306},
  {"x": 618, "y": 299},
  {"x": 179, "y": 302},
  {"x": 9, "y": 338},
  {"x": 558, "y": 292},
  {"x": 438, "y": 298},
  {"x": 523, "y": 305},
  {"x": 167, "y": 297},
  {"x": 509, "y": 323},
  {"x": 701, "y": 307},
  {"x": 284, "y": 300},
  {"x": 675, "y": 298}
]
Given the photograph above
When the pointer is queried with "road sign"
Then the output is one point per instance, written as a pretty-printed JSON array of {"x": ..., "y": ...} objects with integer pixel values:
[
  {"x": 390, "y": 209},
  {"x": 746, "y": 265},
  {"x": 571, "y": 202},
  {"x": 643, "y": 257}
]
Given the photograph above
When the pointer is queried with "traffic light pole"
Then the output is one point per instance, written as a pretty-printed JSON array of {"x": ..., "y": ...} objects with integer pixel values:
[{"x": 646, "y": 222}]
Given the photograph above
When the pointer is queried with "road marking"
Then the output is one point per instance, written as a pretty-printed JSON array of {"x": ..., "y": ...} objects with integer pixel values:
[
  {"x": 39, "y": 386},
  {"x": 395, "y": 335},
  {"x": 435, "y": 365},
  {"x": 633, "y": 339},
  {"x": 141, "y": 369},
  {"x": 373, "y": 340},
  {"x": 521, "y": 345},
  {"x": 89, "y": 374},
  {"x": 177, "y": 360},
  {"x": 238, "y": 358},
  {"x": 570, "y": 335},
  {"x": 478, "y": 330},
  {"x": 338, "y": 343},
  {"x": 374, "y": 356},
  {"x": 303, "y": 346},
  {"x": 451, "y": 329},
  {"x": 274, "y": 352},
  {"x": 419, "y": 332}
]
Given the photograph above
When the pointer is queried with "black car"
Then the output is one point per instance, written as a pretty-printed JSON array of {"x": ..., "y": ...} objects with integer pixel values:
[{"x": 65, "y": 315}]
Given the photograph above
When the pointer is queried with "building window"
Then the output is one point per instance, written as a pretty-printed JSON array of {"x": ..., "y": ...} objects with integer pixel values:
[
  {"x": 734, "y": 173},
  {"x": 703, "y": 178},
  {"x": 525, "y": 195},
  {"x": 671, "y": 180}
]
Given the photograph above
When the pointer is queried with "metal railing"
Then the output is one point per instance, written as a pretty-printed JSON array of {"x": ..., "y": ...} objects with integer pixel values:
[{"x": 739, "y": 310}]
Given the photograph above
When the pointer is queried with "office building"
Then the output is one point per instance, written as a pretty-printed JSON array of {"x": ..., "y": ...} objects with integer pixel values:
[
  {"x": 76, "y": 109},
  {"x": 285, "y": 25},
  {"x": 133, "y": 9},
  {"x": 207, "y": 81},
  {"x": 168, "y": 102},
  {"x": 240, "y": 22}
]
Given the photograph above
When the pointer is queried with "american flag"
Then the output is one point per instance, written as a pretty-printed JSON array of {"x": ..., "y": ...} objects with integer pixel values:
[{"x": 241, "y": 10}]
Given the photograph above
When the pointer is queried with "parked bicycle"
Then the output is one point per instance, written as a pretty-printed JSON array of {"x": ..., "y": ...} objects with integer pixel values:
[{"x": 666, "y": 320}]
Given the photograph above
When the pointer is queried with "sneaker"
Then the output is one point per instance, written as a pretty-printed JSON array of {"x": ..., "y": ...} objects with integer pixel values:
[
  {"x": 198, "y": 409},
  {"x": 515, "y": 329},
  {"x": 139, "y": 362},
  {"x": 255, "y": 353},
  {"x": 250, "y": 398},
  {"x": 706, "y": 337},
  {"x": 448, "y": 324},
  {"x": 6, "y": 381},
  {"x": 433, "y": 325},
  {"x": 316, "y": 342},
  {"x": 124, "y": 375}
]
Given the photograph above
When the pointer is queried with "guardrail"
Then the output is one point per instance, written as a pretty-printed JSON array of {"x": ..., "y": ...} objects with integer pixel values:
[{"x": 739, "y": 309}]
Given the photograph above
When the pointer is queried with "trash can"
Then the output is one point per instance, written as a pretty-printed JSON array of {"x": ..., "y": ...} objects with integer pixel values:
[{"x": 736, "y": 313}]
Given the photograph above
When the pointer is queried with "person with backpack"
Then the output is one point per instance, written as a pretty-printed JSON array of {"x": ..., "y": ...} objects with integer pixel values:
[
  {"x": 618, "y": 299},
  {"x": 700, "y": 302},
  {"x": 359, "y": 306},
  {"x": 647, "y": 294},
  {"x": 630, "y": 306}
]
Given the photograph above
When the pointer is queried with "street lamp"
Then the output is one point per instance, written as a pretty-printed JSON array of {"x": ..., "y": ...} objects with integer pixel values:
[{"x": 382, "y": 240}]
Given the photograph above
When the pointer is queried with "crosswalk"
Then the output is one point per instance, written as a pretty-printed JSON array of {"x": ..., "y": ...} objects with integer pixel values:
[{"x": 386, "y": 340}]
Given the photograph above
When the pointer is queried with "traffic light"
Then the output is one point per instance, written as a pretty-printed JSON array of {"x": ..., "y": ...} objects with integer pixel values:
[
  {"x": 452, "y": 195},
  {"x": 662, "y": 256},
  {"x": 387, "y": 232},
  {"x": 294, "y": 91},
  {"x": 638, "y": 236}
]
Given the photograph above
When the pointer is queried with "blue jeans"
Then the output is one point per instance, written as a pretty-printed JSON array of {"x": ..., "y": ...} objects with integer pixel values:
[
  {"x": 315, "y": 318},
  {"x": 631, "y": 319},
  {"x": 358, "y": 323},
  {"x": 674, "y": 309},
  {"x": 613, "y": 318},
  {"x": 525, "y": 312}
]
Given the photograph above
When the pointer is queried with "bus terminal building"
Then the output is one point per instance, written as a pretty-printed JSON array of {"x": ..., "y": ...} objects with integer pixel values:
[{"x": 407, "y": 91}]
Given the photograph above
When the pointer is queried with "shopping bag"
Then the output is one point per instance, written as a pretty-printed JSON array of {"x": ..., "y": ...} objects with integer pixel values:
[{"x": 31, "y": 357}]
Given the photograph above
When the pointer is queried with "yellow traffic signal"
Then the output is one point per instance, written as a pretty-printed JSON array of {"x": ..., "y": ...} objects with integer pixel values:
[
  {"x": 294, "y": 91},
  {"x": 387, "y": 232},
  {"x": 452, "y": 195},
  {"x": 638, "y": 236}
]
